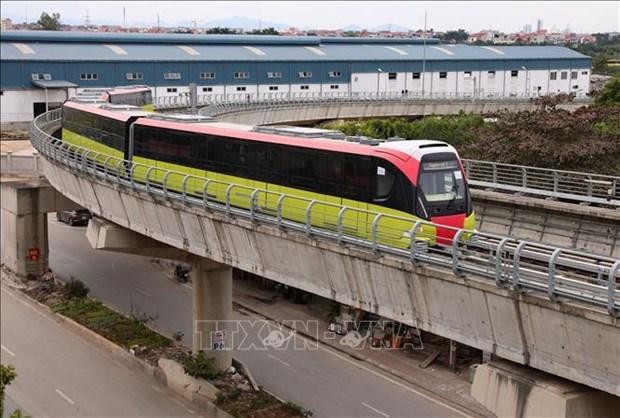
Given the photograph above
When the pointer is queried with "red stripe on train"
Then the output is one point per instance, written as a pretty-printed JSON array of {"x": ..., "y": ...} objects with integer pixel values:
[{"x": 445, "y": 235}]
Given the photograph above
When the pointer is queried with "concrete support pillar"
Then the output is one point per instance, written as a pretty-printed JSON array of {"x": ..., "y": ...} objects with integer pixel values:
[
  {"x": 25, "y": 204},
  {"x": 212, "y": 311}
]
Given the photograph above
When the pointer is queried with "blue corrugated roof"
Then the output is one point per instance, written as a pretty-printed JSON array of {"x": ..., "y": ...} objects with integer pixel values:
[
  {"x": 182, "y": 51},
  {"x": 172, "y": 38}
]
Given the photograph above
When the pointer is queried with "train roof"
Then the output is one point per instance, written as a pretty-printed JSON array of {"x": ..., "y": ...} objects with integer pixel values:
[
  {"x": 122, "y": 115},
  {"x": 313, "y": 143}
]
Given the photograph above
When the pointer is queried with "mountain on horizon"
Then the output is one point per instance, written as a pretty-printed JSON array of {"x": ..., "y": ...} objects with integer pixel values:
[{"x": 245, "y": 23}]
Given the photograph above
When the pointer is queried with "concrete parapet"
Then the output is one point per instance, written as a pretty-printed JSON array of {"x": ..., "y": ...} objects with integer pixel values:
[
  {"x": 592, "y": 229},
  {"x": 509, "y": 390}
]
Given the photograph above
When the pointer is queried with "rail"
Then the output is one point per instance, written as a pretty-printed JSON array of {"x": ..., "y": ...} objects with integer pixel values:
[
  {"x": 218, "y": 103},
  {"x": 556, "y": 184},
  {"x": 557, "y": 273}
]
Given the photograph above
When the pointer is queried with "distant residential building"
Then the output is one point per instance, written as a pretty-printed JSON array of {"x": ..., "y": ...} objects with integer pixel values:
[
  {"x": 6, "y": 24},
  {"x": 539, "y": 25}
]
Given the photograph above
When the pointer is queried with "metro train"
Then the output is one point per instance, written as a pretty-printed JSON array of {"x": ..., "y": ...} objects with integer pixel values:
[{"x": 412, "y": 180}]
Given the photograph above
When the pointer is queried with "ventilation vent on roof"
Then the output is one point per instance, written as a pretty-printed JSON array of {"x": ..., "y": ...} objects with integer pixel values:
[
  {"x": 364, "y": 140},
  {"x": 180, "y": 117},
  {"x": 119, "y": 107},
  {"x": 434, "y": 144},
  {"x": 299, "y": 131},
  {"x": 395, "y": 138}
]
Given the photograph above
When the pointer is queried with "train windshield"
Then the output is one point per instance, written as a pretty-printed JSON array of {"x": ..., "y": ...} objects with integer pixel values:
[{"x": 443, "y": 188}]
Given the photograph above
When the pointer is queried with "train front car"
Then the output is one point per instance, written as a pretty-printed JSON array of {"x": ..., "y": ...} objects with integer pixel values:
[{"x": 440, "y": 186}]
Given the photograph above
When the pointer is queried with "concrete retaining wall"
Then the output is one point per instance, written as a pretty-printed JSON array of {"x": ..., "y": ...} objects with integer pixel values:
[{"x": 576, "y": 342}]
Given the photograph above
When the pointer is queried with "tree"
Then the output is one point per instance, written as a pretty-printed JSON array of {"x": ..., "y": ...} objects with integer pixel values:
[
  {"x": 48, "y": 22},
  {"x": 453, "y": 36},
  {"x": 610, "y": 95},
  {"x": 220, "y": 31},
  {"x": 7, "y": 375},
  {"x": 266, "y": 31}
]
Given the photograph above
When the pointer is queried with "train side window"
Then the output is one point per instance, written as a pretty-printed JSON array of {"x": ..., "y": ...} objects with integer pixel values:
[
  {"x": 384, "y": 182},
  {"x": 333, "y": 178},
  {"x": 304, "y": 170},
  {"x": 356, "y": 178}
]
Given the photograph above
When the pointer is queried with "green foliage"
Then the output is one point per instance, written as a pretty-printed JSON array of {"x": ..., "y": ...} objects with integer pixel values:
[
  {"x": 19, "y": 414},
  {"x": 587, "y": 139},
  {"x": 610, "y": 95},
  {"x": 220, "y": 31},
  {"x": 7, "y": 375},
  {"x": 266, "y": 31},
  {"x": 110, "y": 324},
  {"x": 454, "y": 36},
  {"x": 75, "y": 289},
  {"x": 198, "y": 365},
  {"x": 456, "y": 130},
  {"x": 49, "y": 22}
]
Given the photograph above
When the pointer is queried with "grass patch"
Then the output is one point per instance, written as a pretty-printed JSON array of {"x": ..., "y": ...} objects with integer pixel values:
[{"x": 124, "y": 331}]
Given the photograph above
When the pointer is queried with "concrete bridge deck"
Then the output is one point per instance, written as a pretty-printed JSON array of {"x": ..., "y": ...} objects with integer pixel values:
[{"x": 565, "y": 337}]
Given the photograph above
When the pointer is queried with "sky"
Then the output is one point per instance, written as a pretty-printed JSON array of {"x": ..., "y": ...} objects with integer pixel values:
[{"x": 506, "y": 16}]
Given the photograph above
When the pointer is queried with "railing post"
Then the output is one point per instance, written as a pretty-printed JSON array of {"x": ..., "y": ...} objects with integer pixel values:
[
  {"x": 339, "y": 223},
  {"x": 555, "y": 182},
  {"x": 494, "y": 173},
  {"x": 309, "y": 216},
  {"x": 412, "y": 240},
  {"x": 228, "y": 191},
  {"x": 516, "y": 260},
  {"x": 253, "y": 204},
  {"x": 205, "y": 194},
  {"x": 184, "y": 187},
  {"x": 374, "y": 229},
  {"x": 498, "y": 261},
  {"x": 524, "y": 177},
  {"x": 147, "y": 180},
  {"x": 279, "y": 209},
  {"x": 551, "y": 284},
  {"x": 455, "y": 252},
  {"x": 165, "y": 183},
  {"x": 611, "y": 288}
]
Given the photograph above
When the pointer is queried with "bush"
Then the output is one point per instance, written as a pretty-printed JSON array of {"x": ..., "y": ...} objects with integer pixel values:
[
  {"x": 298, "y": 410},
  {"x": 75, "y": 289},
  {"x": 198, "y": 365},
  {"x": 7, "y": 375}
]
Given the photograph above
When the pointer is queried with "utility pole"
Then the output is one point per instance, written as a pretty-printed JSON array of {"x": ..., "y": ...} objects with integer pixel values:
[
  {"x": 124, "y": 20},
  {"x": 157, "y": 22},
  {"x": 424, "y": 55}
]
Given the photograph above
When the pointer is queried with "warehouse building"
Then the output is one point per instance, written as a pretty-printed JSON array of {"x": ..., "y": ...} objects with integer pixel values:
[{"x": 41, "y": 69}]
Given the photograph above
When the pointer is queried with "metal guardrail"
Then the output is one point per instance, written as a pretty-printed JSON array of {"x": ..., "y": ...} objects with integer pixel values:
[
  {"x": 557, "y": 184},
  {"x": 220, "y": 102},
  {"x": 508, "y": 262}
]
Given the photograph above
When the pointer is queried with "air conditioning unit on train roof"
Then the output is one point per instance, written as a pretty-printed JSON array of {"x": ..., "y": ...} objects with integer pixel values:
[
  {"x": 181, "y": 117},
  {"x": 364, "y": 140},
  {"x": 299, "y": 131},
  {"x": 119, "y": 107}
]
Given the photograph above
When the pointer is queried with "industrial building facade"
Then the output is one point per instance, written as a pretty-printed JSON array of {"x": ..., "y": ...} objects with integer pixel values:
[{"x": 41, "y": 69}]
